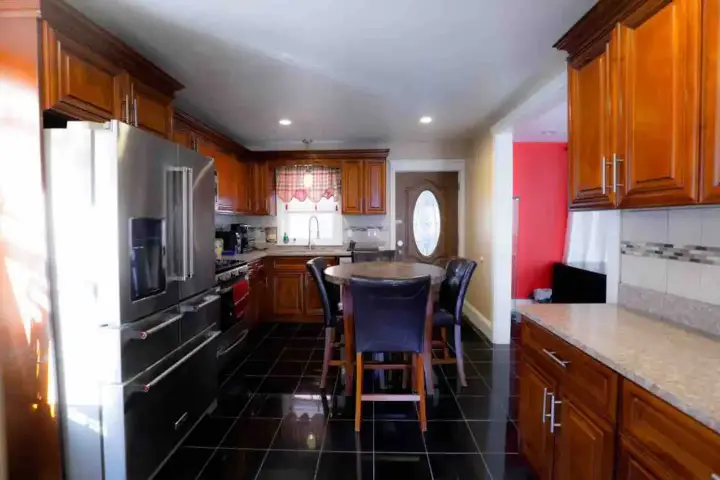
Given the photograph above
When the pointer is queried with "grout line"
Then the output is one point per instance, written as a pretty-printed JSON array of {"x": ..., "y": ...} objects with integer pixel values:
[
  {"x": 324, "y": 433},
  {"x": 238, "y": 416}
]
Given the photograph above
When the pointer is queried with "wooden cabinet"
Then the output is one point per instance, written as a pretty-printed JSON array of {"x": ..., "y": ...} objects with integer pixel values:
[
  {"x": 352, "y": 187},
  {"x": 660, "y": 89},
  {"x": 288, "y": 293},
  {"x": 585, "y": 445},
  {"x": 634, "y": 104},
  {"x": 537, "y": 443},
  {"x": 257, "y": 305},
  {"x": 588, "y": 146},
  {"x": 148, "y": 108},
  {"x": 184, "y": 135},
  {"x": 374, "y": 173},
  {"x": 262, "y": 199},
  {"x": 593, "y": 439},
  {"x": 710, "y": 122},
  {"x": 364, "y": 187},
  {"x": 79, "y": 82}
]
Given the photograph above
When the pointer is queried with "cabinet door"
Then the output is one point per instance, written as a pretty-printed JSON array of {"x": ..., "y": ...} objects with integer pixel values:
[
  {"x": 288, "y": 293},
  {"x": 710, "y": 170},
  {"x": 589, "y": 121},
  {"x": 151, "y": 110},
  {"x": 584, "y": 447},
  {"x": 243, "y": 187},
  {"x": 536, "y": 441},
  {"x": 183, "y": 135},
  {"x": 374, "y": 192},
  {"x": 352, "y": 186},
  {"x": 313, "y": 301},
  {"x": 225, "y": 168},
  {"x": 660, "y": 92},
  {"x": 79, "y": 82}
]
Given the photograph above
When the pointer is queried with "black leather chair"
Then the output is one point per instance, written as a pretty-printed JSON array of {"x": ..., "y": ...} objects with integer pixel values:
[
  {"x": 389, "y": 316},
  {"x": 458, "y": 273},
  {"x": 332, "y": 315},
  {"x": 379, "y": 256}
]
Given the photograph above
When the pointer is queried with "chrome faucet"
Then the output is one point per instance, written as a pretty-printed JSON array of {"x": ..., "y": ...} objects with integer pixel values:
[{"x": 310, "y": 244}]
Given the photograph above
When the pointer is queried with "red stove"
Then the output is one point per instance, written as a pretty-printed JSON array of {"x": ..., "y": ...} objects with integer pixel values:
[{"x": 231, "y": 277}]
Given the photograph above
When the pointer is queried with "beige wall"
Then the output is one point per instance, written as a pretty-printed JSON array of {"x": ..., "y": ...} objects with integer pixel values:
[{"x": 478, "y": 241}]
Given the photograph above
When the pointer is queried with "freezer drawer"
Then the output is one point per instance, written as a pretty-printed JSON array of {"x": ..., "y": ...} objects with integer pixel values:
[
  {"x": 148, "y": 341},
  {"x": 199, "y": 313},
  {"x": 163, "y": 403}
]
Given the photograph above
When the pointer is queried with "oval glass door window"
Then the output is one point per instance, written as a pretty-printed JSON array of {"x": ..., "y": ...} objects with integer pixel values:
[{"x": 426, "y": 223}]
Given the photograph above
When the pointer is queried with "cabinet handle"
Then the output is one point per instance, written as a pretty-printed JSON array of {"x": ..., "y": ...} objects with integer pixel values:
[
  {"x": 135, "y": 110},
  {"x": 562, "y": 363},
  {"x": 615, "y": 161},
  {"x": 181, "y": 420},
  {"x": 554, "y": 402},
  {"x": 545, "y": 395},
  {"x": 126, "y": 105},
  {"x": 604, "y": 175}
]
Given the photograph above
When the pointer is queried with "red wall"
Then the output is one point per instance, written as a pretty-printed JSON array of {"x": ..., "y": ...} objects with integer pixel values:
[{"x": 540, "y": 179}]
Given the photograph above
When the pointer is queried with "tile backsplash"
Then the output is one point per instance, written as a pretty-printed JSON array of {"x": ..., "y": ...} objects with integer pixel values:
[{"x": 670, "y": 264}]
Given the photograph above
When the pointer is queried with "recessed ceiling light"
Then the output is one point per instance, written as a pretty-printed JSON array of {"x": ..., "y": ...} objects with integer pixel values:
[
  {"x": 425, "y": 120},
  {"x": 285, "y": 122},
  {"x": 549, "y": 132}
]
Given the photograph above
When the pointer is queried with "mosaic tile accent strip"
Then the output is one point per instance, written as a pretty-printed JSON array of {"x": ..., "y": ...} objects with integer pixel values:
[{"x": 681, "y": 253}]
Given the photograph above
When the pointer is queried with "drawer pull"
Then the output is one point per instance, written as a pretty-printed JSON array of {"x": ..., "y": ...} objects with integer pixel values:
[
  {"x": 545, "y": 395},
  {"x": 196, "y": 308},
  {"x": 180, "y": 421},
  {"x": 553, "y": 402},
  {"x": 146, "y": 388},
  {"x": 562, "y": 363},
  {"x": 143, "y": 334}
]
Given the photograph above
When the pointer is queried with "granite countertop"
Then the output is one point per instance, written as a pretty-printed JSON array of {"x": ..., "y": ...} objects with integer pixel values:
[
  {"x": 677, "y": 365},
  {"x": 292, "y": 251}
]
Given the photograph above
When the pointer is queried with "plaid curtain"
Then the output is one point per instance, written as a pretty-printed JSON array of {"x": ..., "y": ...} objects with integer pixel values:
[{"x": 291, "y": 184}]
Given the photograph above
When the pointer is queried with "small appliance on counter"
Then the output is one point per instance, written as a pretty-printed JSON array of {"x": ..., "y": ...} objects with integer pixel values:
[
  {"x": 247, "y": 242},
  {"x": 231, "y": 242}
]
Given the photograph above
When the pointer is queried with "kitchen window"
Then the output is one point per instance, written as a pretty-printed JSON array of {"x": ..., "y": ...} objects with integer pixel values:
[{"x": 304, "y": 192}]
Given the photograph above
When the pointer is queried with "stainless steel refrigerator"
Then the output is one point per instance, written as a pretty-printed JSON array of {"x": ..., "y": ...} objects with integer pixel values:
[{"x": 133, "y": 301}]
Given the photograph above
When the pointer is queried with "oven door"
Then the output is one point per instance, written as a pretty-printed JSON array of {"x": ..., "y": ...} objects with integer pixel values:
[{"x": 150, "y": 189}]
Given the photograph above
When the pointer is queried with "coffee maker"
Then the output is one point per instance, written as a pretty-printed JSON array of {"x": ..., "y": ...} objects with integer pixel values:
[{"x": 243, "y": 232}]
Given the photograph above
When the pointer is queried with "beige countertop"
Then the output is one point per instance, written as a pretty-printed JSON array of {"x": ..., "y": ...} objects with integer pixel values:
[
  {"x": 679, "y": 366},
  {"x": 293, "y": 251}
]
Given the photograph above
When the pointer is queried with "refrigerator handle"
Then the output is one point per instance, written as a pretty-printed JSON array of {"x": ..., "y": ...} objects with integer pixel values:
[
  {"x": 190, "y": 245},
  {"x": 183, "y": 274}
]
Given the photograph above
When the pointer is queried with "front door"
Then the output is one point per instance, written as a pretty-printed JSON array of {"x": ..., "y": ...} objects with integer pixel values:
[{"x": 426, "y": 213}]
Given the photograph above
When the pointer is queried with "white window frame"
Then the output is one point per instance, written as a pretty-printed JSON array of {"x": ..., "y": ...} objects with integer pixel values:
[{"x": 327, "y": 209}]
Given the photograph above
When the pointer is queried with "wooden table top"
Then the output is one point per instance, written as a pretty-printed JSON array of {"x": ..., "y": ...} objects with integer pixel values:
[{"x": 340, "y": 274}]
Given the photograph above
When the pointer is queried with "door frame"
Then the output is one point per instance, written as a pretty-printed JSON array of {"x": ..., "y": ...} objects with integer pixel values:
[{"x": 437, "y": 165}]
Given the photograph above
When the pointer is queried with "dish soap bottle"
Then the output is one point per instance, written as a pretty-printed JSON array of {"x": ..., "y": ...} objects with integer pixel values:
[{"x": 286, "y": 239}]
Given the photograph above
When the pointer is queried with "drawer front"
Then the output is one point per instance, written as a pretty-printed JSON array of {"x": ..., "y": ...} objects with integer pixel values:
[
  {"x": 683, "y": 446},
  {"x": 148, "y": 341},
  {"x": 581, "y": 376},
  {"x": 165, "y": 403},
  {"x": 297, "y": 263},
  {"x": 198, "y": 314}
]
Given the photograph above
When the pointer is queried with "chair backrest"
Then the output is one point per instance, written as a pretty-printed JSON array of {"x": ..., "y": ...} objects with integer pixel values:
[
  {"x": 379, "y": 256},
  {"x": 329, "y": 293},
  {"x": 389, "y": 315},
  {"x": 458, "y": 273}
]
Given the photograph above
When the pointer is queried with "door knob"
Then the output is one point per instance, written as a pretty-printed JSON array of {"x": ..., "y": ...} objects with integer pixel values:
[{"x": 400, "y": 243}]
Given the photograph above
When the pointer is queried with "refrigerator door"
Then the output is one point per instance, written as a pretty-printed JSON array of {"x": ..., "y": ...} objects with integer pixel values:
[
  {"x": 200, "y": 178},
  {"x": 148, "y": 189}
]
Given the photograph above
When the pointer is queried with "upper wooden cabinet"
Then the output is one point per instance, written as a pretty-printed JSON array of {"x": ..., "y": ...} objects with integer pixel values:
[
  {"x": 589, "y": 141},
  {"x": 352, "y": 187},
  {"x": 364, "y": 187},
  {"x": 634, "y": 104},
  {"x": 262, "y": 198},
  {"x": 148, "y": 109},
  {"x": 659, "y": 117},
  {"x": 710, "y": 120},
  {"x": 79, "y": 82}
]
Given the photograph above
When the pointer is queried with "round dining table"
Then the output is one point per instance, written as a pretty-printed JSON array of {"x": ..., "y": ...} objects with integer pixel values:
[{"x": 341, "y": 275}]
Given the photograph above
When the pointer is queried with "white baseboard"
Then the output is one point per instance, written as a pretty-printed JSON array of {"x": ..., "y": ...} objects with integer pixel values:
[{"x": 478, "y": 320}]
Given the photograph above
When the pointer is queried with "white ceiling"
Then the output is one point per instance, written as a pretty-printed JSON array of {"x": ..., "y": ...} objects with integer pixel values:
[
  {"x": 344, "y": 71},
  {"x": 550, "y": 126}
]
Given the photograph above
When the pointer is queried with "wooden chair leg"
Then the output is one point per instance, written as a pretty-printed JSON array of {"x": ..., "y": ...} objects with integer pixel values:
[
  {"x": 358, "y": 390},
  {"x": 459, "y": 356},
  {"x": 443, "y": 335},
  {"x": 327, "y": 355},
  {"x": 420, "y": 378}
]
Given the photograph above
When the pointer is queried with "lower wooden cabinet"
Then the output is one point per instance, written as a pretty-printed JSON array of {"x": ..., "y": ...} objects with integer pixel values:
[
  {"x": 288, "y": 293},
  {"x": 570, "y": 429},
  {"x": 537, "y": 443}
]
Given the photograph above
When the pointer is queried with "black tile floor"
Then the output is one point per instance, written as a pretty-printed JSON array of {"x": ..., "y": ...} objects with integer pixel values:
[{"x": 273, "y": 421}]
